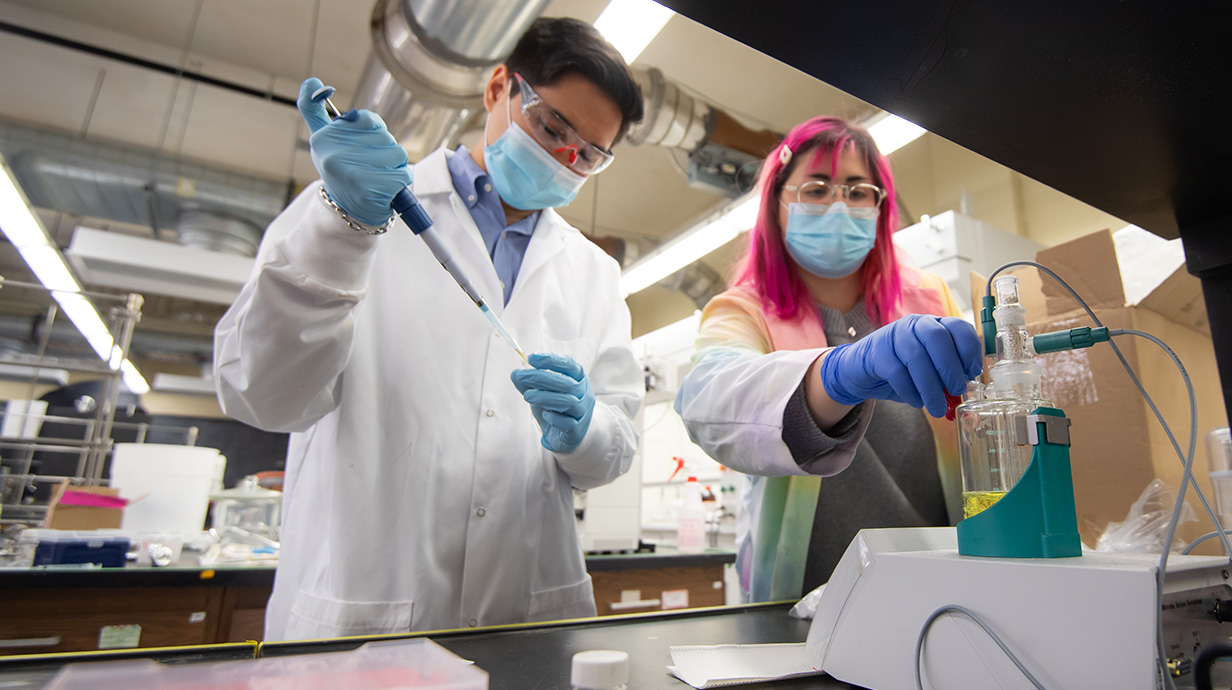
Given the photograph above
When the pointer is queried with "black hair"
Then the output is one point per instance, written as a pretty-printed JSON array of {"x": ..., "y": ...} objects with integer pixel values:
[{"x": 555, "y": 46}]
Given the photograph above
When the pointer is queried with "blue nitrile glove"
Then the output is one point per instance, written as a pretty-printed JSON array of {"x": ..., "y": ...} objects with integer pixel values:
[
  {"x": 560, "y": 399},
  {"x": 914, "y": 360},
  {"x": 360, "y": 163}
]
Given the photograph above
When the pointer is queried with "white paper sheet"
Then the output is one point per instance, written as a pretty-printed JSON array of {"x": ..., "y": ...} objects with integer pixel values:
[{"x": 712, "y": 666}]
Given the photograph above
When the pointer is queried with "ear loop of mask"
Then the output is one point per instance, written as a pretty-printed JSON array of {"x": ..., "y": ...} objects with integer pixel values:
[{"x": 508, "y": 115}]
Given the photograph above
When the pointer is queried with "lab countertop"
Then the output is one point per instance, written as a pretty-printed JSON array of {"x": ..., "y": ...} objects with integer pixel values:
[
  {"x": 188, "y": 572},
  {"x": 533, "y": 656}
]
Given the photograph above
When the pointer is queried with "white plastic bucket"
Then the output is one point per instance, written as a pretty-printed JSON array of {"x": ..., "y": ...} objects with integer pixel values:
[{"x": 171, "y": 485}]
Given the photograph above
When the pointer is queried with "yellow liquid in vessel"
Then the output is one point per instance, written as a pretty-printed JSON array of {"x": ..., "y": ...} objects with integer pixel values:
[{"x": 976, "y": 502}]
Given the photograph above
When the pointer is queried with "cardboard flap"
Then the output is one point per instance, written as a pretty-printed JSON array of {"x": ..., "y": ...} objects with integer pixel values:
[
  {"x": 1180, "y": 298},
  {"x": 1089, "y": 265}
]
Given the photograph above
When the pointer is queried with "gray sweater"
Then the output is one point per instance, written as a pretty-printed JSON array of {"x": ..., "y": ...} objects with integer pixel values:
[{"x": 893, "y": 480}]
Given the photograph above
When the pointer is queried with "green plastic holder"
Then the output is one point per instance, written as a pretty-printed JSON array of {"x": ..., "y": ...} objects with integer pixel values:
[{"x": 1036, "y": 518}]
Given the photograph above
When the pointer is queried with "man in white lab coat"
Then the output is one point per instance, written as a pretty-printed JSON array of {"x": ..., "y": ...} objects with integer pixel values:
[{"x": 425, "y": 489}]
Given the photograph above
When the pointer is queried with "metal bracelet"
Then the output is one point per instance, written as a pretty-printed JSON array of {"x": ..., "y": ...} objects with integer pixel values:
[{"x": 354, "y": 224}]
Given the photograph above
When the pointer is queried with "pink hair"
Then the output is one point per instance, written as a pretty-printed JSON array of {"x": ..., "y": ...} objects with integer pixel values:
[{"x": 769, "y": 269}]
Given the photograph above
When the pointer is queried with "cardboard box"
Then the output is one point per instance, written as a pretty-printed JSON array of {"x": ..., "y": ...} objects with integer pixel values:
[
  {"x": 86, "y": 517},
  {"x": 1118, "y": 446}
]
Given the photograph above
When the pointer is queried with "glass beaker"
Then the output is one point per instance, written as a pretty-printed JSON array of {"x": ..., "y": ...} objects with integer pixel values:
[
  {"x": 250, "y": 508},
  {"x": 992, "y": 460}
]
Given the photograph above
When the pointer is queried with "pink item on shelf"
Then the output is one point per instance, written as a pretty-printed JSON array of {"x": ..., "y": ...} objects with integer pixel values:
[{"x": 73, "y": 497}]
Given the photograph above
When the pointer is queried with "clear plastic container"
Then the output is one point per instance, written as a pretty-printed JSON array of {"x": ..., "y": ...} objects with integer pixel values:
[
  {"x": 416, "y": 663},
  {"x": 691, "y": 528},
  {"x": 16, "y": 552},
  {"x": 248, "y": 507},
  {"x": 992, "y": 460}
]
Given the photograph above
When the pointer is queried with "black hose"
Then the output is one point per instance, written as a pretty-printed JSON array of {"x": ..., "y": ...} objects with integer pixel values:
[{"x": 1206, "y": 661}]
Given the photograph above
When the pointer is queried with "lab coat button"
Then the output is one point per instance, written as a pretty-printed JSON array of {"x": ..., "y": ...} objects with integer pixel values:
[
  {"x": 487, "y": 188},
  {"x": 481, "y": 512},
  {"x": 490, "y": 413},
  {"x": 474, "y": 623}
]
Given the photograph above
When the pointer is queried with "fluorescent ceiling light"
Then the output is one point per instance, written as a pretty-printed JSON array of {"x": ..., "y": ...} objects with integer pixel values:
[
  {"x": 630, "y": 25},
  {"x": 691, "y": 245},
  {"x": 23, "y": 229},
  {"x": 133, "y": 380},
  {"x": 16, "y": 220},
  {"x": 892, "y": 132}
]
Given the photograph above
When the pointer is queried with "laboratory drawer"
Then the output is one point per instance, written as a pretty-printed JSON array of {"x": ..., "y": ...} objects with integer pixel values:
[
  {"x": 38, "y": 621},
  {"x": 657, "y": 589}
]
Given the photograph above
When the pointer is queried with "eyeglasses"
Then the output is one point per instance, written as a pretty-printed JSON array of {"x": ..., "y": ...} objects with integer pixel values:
[
  {"x": 555, "y": 134},
  {"x": 862, "y": 195}
]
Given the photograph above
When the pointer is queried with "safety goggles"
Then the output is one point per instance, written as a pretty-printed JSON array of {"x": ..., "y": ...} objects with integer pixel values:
[
  {"x": 553, "y": 132},
  {"x": 862, "y": 195}
]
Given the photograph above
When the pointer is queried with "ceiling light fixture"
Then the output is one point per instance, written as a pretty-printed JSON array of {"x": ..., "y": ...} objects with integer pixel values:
[
  {"x": 30, "y": 238},
  {"x": 155, "y": 267},
  {"x": 630, "y": 25},
  {"x": 691, "y": 245},
  {"x": 892, "y": 132}
]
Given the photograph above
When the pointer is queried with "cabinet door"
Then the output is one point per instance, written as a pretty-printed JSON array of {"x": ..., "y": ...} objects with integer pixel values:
[
  {"x": 657, "y": 589},
  {"x": 39, "y": 621},
  {"x": 243, "y": 613}
]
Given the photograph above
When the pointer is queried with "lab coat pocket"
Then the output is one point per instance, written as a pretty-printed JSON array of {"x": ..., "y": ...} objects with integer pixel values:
[
  {"x": 316, "y": 617},
  {"x": 561, "y": 603}
]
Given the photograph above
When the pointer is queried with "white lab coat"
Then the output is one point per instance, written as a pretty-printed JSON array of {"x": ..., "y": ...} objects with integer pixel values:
[{"x": 417, "y": 494}]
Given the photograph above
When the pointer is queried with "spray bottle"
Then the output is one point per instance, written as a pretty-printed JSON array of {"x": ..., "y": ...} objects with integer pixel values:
[{"x": 691, "y": 528}]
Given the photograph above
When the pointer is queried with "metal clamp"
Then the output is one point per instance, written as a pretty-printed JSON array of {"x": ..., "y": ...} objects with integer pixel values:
[
  {"x": 1056, "y": 429},
  {"x": 354, "y": 224}
]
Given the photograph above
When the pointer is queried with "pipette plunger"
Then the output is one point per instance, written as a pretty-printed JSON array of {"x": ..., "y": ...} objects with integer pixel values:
[{"x": 417, "y": 219}]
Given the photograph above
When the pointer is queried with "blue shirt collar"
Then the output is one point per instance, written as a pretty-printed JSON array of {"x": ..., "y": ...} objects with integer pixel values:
[
  {"x": 468, "y": 178},
  {"x": 475, "y": 187}
]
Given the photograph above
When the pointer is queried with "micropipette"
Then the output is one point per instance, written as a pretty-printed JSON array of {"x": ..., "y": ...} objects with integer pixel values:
[{"x": 417, "y": 219}]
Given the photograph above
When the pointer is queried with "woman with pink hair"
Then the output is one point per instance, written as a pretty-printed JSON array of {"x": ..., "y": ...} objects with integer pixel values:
[{"x": 821, "y": 320}]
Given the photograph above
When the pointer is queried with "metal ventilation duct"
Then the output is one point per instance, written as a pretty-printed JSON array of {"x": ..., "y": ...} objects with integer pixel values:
[
  {"x": 211, "y": 208},
  {"x": 724, "y": 155},
  {"x": 431, "y": 60},
  {"x": 673, "y": 118},
  {"x": 698, "y": 281}
]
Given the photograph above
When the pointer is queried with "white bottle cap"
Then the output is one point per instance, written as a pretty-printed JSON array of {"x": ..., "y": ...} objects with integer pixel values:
[{"x": 600, "y": 669}]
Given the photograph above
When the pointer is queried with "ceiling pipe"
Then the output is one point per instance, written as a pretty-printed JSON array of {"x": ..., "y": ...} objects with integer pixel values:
[
  {"x": 21, "y": 334},
  {"x": 723, "y": 153},
  {"x": 209, "y": 207},
  {"x": 431, "y": 60}
]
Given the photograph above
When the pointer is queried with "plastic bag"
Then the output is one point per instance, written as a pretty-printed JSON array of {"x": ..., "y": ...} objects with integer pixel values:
[
  {"x": 1145, "y": 527},
  {"x": 806, "y": 608}
]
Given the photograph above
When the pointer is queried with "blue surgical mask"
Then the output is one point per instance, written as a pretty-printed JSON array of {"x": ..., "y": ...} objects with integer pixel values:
[
  {"x": 830, "y": 241},
  {"x": 526, "y": 176}
]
